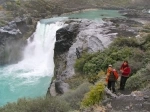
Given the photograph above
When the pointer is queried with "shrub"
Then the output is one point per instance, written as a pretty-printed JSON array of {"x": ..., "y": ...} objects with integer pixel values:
[
  {"x": 134, "y": 82},
  {"x": 94, "y": 96},
  {"x": 123, "y": 41},
  {"x": 135, "y": 50},
  {"x": 81, "y": 61},
  {"x": 140, "y": 79},
  {"x": 94, "y": 78},
  {"x": 145, "y": 42},
  {"x": 49, "y": 104},
  {"x": 135, "y": 65},
  {"x": 101, "y": 60},
  {"x": 147, "y": 56},
  {"x": 75, "y": 81},
  {"x": 74, "y": 97}
]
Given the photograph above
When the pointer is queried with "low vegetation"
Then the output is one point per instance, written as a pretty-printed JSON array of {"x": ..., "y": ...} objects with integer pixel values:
[
  {"x": 140, "y": 80},
  {"x": 94, "y": 96},
  {"x": 135, "y": 50},
  {"x": 47, "y": 104},
  {"x": 67, "y": 102},
  {"x": 74, "y": 97}
]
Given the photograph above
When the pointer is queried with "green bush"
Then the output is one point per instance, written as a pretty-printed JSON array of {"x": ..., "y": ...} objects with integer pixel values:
[
  {"x": 123, "y": 42},
  {"x": 94, "y": 78},
  {"x": 76, "y": 81},
  {"x": 48, "y": 104},
  {"x": 2, "y": 22},
  {"x": 74, "y": 97},
  {"x": 137, "y": 54},
  {"x": 81, "y": 61},
  {"x": 146, "y": 42},
  {"x": 140, "y": 79},
  {"x": 131, "y": 49},
  {"x": 94, "y": 96},
  {"x": 92, "y": 64},
  {"x": 134, "y": 82}
]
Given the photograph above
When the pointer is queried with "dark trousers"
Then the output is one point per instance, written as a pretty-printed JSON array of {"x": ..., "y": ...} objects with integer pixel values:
[
  {"x": 123, "y": 82},
  {"x": 111, "y": 86}
]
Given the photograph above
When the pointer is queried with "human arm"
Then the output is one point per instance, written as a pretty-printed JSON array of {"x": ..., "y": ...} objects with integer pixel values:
[{"x": 126, "y": 71}]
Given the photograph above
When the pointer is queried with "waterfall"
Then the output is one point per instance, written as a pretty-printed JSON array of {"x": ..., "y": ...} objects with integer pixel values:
[
  {"x": 38, "y": 55},
  {"x": 31, "y": 76}
]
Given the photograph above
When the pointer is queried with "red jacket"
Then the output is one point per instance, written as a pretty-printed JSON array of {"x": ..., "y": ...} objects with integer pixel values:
[{"x": 126, "y": 70}]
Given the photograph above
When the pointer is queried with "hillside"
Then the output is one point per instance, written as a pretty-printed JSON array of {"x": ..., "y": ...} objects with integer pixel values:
[{"x": 85, "y": 90}]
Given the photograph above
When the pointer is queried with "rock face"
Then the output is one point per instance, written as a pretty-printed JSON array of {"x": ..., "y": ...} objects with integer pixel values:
[
  {"x": 65, "y": 37},
  {"x": 11, "y": 41},
  {"x": 86, "y": 35},
  {"x": 64, "y": 40},
  {"x": 92, "y": 37}
]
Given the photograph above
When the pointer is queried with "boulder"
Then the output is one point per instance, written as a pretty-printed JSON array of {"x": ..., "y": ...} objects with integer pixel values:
[{"x": 61, "y": 87}]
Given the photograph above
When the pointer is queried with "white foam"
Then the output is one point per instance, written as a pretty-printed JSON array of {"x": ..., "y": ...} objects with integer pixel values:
[{"x": 38, "y": 55}]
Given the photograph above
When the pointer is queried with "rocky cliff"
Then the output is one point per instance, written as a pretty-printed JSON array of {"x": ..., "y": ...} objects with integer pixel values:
[
  {"x": 12, "y": 41},
  {"x": 85, "y": 35}
]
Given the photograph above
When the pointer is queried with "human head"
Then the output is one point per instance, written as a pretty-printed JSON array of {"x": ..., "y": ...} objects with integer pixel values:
[
  {"x": 110, "y": 67},
  {"x": 125, "y": 62}
]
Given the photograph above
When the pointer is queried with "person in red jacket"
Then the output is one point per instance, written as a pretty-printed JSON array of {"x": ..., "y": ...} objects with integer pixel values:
[
  {"x": 112, "y": 76},
  {"x": 125, "y": 72}
]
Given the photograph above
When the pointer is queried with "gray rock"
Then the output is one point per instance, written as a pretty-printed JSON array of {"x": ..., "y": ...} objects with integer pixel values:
[
  {"x": 92, "y": 37},
  {"x": 146, "y": 105},
  {"x": 52, "y": 90},
  {"x": 104, "y": 102},
  {"x": 146, "y": 97},
  {"x": 65, "y": 37},
  {"x": 12, "y": 42},
  {"x": 29, "y": 21},
  {"x": 61, "y": 87},
  {"x": 109, "y": 106}
]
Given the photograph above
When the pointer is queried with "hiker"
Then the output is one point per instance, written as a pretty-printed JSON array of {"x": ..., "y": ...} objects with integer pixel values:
[
  {"x": 77, "y": 53},
  {"x": 125, "y": 72},
  {"x": 112, "y": 77}
]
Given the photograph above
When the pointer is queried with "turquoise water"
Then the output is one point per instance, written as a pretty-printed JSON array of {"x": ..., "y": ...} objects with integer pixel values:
[
  {"x": 30, "y": 78},
  {"x": 14, "y": 86},
  {"x": 95, "y": 14}
]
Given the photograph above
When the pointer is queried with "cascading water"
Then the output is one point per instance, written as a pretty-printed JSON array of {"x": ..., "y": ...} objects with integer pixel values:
[{"x": 31, "y": 76}]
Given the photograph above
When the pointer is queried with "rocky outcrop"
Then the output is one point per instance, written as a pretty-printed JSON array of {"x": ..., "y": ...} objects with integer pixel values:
[
  {"x": 64, "y": 40},
  {"x": 135, "y": 13},
  {"x": 124, "y": 27},
  {"x": 11, "y": 41},
  {"x": 137, "y": 101},
  {"x": 92, "y": 37},
  {"x": 65, "y": 37},
  {"x": 86, "y": 35}
]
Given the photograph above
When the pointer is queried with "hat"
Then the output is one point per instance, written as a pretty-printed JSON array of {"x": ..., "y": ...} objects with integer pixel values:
[{"x": 109, "y": 65}]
